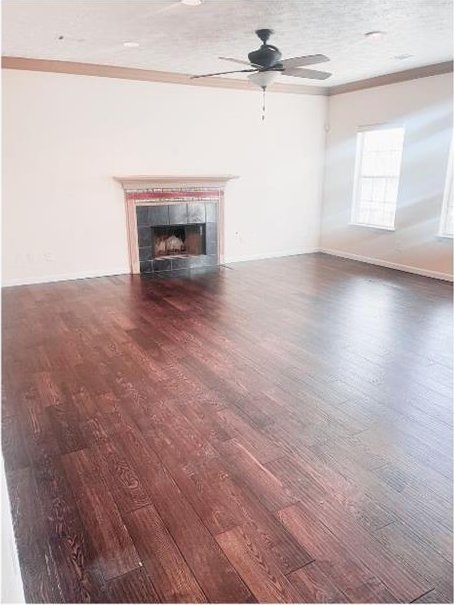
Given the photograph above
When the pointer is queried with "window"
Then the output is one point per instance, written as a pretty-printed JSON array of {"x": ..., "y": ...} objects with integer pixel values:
[
  {"x": 447, "y": 218},
  {"x": 377, "y": 171}
]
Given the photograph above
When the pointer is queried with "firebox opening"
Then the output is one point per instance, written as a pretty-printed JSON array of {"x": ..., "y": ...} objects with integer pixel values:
[{"x": 178, "y": 240}]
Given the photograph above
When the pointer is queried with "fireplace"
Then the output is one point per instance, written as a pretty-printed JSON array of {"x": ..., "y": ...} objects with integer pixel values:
[
  {"x": 174, "y": 222},
  {"x": 180, "y": 235}
]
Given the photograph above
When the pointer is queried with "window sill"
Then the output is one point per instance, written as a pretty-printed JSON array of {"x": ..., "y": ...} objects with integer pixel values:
[
  {"x": 381, "y": 228},
  {"x": 444, "y": 236}
]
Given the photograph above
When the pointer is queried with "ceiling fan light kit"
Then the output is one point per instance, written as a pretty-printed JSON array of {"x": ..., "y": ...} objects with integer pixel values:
[
  {"x": 265, "y": 65},
  {"x": 263, "y": 78}
]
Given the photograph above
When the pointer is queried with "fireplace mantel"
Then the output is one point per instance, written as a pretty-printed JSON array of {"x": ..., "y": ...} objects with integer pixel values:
[
  {"x": 150, "y": 190},
  {"x": 162, "y": 181}
]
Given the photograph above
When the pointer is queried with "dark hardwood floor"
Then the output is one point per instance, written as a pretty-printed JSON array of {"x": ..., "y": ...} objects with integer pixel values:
[{"x": 276, "y": 431}]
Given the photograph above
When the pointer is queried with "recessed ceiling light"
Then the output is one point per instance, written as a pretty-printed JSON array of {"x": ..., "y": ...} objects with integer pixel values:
[
  {"x": 69, "y": 38},
  {"x": 191, "y": 2},
  {"x": 403, "y": 57},
  {"x": 131, "y": 44},
  {"x": 375, "y": 35}
]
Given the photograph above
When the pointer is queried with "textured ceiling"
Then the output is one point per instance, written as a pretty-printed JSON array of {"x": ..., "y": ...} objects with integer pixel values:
[{"x": 178, "y": 38}]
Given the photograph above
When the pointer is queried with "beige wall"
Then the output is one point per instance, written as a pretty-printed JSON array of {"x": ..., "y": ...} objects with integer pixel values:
[
  {"x": 424, "y": 107},
  {"x": 66, "y": 136}
]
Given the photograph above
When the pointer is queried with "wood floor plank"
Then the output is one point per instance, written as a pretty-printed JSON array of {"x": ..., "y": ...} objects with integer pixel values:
[
  {"x": 416, "y": 513},
  {"x": 366, "y": 562},
  {"x": 314, "y": 586},
  {"x": 248, "y": 470},
  {"x": 71, "y": 544},
  {"x": 206, "y": 487},
  {"x": 259, "y": 432},
  {"x": 114, "y": 547},
  {"x": 432, "y": 596},
  {"x": 318, "y": 485},
  {"x": 13, "y": 443},
  {"x": 258, "y": 444},
  {"x": 223, "y": 504},
  {"x": 216, "y": 576},
  {"x": 123, "y": 481},
  {"x": 413, "y": 554},
  {"x": 132, "y": 587},
  {"x": 49, "y": 389},
  {"x": 65, "y": 426},
  {"x": 267, "y": 583},
  {"x": 335, "y": 559},
  {"x": 172, "y": 579},
  {"x": 39, "y": 575}
]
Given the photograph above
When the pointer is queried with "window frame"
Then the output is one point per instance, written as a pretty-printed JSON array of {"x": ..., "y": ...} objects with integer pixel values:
[
  {"x": 357, "y": 173},
  {"x": 447, "y": 196}
]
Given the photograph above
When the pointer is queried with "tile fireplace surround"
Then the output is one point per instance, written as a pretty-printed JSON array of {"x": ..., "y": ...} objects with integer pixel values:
[{"x": 187, "y": 211}]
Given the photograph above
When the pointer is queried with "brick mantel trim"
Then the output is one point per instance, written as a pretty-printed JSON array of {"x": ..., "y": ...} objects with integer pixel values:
[{"x": 148, "y": 190}]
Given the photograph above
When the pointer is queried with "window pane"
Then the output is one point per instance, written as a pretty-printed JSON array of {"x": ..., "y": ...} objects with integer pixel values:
[
  {"x": 379, "y": 186},
  {"x": 449, "y": 228},
  {"x": 391, "y": 189},
  {"x": 377, "y": 177},
  {"x": 447, "y": 218}
]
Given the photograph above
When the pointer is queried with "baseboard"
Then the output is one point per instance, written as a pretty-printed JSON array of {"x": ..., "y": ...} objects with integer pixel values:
[
  {"x": 28, "y": 281},
  {"x": 389, "y": 265},
  {"x": 241, "y": 259},
  {"x": 238, "y": 259}
]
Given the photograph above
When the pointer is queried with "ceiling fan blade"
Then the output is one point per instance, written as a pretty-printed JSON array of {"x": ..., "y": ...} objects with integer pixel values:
[
  {"x": 221, "y": 73},
  {"x": 240, "y": 61},
  {"x": 311, "y": 74},
  {"x": 302, "y": 61}
]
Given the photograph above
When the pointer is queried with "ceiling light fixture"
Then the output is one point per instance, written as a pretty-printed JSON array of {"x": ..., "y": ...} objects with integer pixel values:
[
  {"x": 131, "y": 44},
  {"x": 266, "y": 63},
  {"x": 403, "y": 57},
  {"x": 375, "y": 35},
  {"x": 263, "y": 79},
  {"x": 191, "y": 2}
]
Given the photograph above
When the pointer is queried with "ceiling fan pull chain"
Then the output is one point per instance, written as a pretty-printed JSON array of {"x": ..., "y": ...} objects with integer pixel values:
[{"x": 263, "y": 106}]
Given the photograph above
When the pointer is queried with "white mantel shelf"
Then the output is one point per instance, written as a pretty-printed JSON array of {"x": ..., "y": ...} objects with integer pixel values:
[{"x": 150, "y": 181}]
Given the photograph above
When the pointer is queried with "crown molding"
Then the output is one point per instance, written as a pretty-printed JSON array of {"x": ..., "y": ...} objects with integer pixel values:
[
  {"x": 166, "y": 77},
  {"x": 148, "y": 75},
  {"x": 425, "y": 71}
]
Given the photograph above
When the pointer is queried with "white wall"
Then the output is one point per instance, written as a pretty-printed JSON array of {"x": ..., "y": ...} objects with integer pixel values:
[
  {"x": 424, "y": 107},
  {"x": 11, "y": 590},
  {"x": 65, "y": 137}
]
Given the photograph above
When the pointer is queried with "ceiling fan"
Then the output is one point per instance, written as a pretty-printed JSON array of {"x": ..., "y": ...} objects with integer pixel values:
[{"x": 265, "y": 64}]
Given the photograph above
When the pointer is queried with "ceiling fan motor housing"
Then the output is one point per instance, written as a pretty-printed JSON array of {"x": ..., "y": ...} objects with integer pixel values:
[{"x": 266, "y": 56}]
